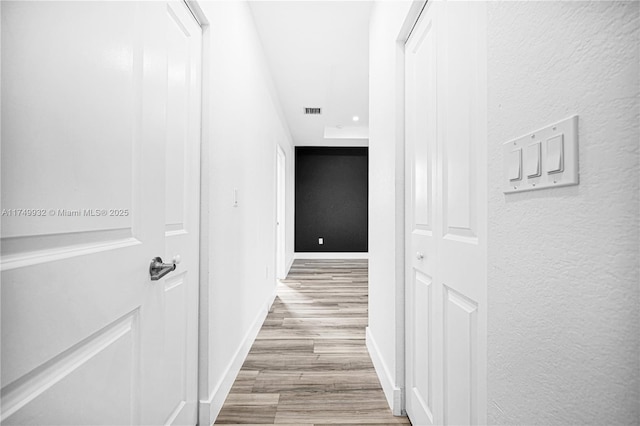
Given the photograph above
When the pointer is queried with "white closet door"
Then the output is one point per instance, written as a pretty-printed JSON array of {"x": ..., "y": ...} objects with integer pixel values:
[
  {"x": 423, "y": 316},
  {"x": 446, "y": 215}
]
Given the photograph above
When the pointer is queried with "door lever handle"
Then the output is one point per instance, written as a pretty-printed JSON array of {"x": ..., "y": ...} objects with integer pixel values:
[{"x": 157, "y": 269}]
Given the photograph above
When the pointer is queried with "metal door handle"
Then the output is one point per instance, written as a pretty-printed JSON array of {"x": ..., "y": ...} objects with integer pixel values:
[
  {"x": 157, "y": 269},
  {"x": 419, "y": 256}
]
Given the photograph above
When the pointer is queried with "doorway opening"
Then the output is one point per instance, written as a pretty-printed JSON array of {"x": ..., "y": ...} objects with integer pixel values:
[{"x": 281, "y": 227}]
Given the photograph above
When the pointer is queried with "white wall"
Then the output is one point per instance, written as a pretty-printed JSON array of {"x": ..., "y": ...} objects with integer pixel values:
[
  {"x": 564, "y": 330},
  {"x": 243, "y": 124},
  {"x": 386, "y": 197}
]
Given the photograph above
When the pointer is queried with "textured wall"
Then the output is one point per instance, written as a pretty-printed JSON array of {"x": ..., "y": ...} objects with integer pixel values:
[
  {"x": 563, "y": 263},
  {"x": 331, "y": 199}
]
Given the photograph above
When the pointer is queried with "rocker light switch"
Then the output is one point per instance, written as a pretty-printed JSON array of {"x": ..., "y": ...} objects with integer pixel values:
[
  {"x": 515, "y": 165},
  {"x": 532, "y": 160},
  {"x": 545, "y": 158},
  {"x": 555, "y": 154}
]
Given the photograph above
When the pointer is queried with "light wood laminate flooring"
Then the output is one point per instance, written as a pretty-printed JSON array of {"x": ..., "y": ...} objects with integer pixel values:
[{"x": 309, "y": 365}]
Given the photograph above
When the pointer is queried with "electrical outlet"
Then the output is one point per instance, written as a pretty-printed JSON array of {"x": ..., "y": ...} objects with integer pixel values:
[{"x": 320, "y": 241}]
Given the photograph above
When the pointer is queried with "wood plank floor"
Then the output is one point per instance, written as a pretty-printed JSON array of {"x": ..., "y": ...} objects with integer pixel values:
[{"x": 309, "y": 364}]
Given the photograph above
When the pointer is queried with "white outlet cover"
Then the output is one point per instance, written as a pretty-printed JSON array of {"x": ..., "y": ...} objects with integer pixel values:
[{"x": 567, "y": 130}]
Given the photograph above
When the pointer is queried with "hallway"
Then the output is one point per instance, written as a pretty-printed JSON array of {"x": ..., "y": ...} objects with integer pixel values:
[{"x": 309, "y": 363}]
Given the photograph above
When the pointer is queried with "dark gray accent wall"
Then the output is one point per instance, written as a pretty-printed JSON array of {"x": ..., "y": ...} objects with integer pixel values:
[{"x": 332, "y": 196}]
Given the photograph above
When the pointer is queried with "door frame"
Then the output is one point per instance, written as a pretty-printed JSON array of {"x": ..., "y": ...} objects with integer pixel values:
[
  {"x": 410, "y": 21},
  {"x": 203, "y": 247},
  {"x": 281, "y": 207},
  {"x": 201, "y": 20}
]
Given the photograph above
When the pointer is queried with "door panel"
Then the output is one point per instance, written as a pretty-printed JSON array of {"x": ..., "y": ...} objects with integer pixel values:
[
  {"x": 460, "y": 359},
  {"x": 59, "y": 65},
  {"x": 181, "y": 212},
  {"x": 87, "y": 337},
  {"x": 175, "y": 331},
  {"x": 445, "y": 148},
  {"x": 178, "y": 39},
  {"x": 463, "y": 247},
  {"x": 461, "y": 137},
  {"x": 422, "y": 362},
  {"x": 422, "y": 126},
  {"x": 421, "y": 132},
  {"x": 105, "y": 362}
]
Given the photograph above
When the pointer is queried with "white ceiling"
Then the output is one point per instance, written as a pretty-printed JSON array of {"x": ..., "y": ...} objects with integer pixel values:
[{"x": 318, "y": 52}]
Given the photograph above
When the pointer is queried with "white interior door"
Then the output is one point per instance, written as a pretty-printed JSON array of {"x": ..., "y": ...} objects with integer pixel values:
[
  {"x": 423, "y": 313},
  {"x": 89, "y": 92},
  {"x": 446, "y": 215},
  {"x": 281, "y": 266},
  {"x": 182, "y": 203}
]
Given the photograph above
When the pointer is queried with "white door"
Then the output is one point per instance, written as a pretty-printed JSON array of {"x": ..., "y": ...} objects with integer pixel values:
[
  {"x": 100, "y": 143},
  {"x": 281, "y": 266},
  {"x": 181, "y": 213},
  {"x": 446, "y": 215},
  {"x": 422, "y": 312}
]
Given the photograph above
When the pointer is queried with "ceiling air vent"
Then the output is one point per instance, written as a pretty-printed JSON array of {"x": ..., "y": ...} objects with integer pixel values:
[{"x": 313, "y": 111}]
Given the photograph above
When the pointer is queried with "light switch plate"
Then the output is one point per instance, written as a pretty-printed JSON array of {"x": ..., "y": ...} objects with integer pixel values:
[{"x": 567, "y": 132}]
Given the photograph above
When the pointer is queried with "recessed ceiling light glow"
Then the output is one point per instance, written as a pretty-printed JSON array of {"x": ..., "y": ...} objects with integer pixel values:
[{"x": 356, "y": 118}]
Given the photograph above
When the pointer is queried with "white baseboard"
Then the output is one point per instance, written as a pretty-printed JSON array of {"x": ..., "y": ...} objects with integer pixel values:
[
  {"x": 210, "y": 408},
  {"x": 392, "y": 392},
  {"x": 327, "y": 255},
  {"x": 289, "y": 265}
]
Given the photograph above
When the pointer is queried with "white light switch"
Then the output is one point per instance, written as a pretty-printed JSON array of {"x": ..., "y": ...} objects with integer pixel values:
[
  {"x": 515, "y": 165},
  {"x": 532, "y": 160},
  {"x": 545, "y": 158},
  {"x": 555, "y": 154}
]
